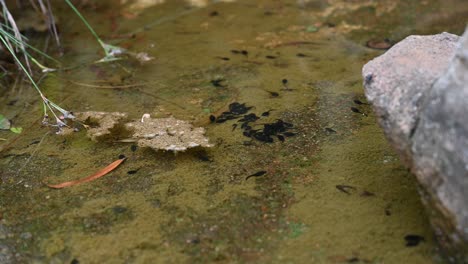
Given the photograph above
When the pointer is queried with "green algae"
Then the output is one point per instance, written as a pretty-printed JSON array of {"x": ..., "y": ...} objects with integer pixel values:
[
  {"x": 380, "y": 20},
  {"x": 197, "y": 206}
]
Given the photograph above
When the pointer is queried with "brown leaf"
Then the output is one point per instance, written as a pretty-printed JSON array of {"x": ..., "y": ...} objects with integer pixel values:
[{"x": 98, "y": 174}]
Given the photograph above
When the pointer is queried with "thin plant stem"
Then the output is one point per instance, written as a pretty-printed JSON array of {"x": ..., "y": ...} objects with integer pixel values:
[
  {"x": 87, "y": 25},
  {"x": 34, "y": 152},
  {"x": 9, "y": 19},
  {"x": 47, "y": 103},
  {"x": 21, "y": 42},
  {"x": 47, "y": 11},
  {"x": 20, "y": 64},
  {"x": 111, "y": 52}
]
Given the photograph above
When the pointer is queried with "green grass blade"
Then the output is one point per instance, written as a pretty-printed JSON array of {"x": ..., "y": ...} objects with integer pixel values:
[
  {"x": 25, "y": 43},
  {"x": 87, "y": 25}
]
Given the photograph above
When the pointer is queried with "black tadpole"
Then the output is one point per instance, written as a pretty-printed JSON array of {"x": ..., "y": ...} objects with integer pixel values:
[
  {"x": 355, "y": 110},
  {"x": 285, "y": 85},
  {"x": 217, "y": 83},
  {"x": 257, "y": 174},
  {"x": 267, "y": 113},
  {"x": 289, "y": 134},
  {"x": 413, "y": 240},
  {"x": 203, "y": 156},
  {"x": 273, "y": 94},
  {"x": 345, "y": 188},
  {"x": 212, "y": 118},
  {"x": 359, "y": 102}
]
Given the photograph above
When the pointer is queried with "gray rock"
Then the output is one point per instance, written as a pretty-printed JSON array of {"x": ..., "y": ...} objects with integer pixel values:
[
  {"x": 440, "y": 147},
  {"x": 419, "y": 90}
]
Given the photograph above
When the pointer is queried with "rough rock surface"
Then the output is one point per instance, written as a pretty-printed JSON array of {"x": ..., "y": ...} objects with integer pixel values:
[
  {"x": 419, "y": 90},
  {"x": 396, "y": 81}
]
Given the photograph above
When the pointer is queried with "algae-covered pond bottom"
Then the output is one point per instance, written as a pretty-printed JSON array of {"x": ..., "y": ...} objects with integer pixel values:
[{"x": 328, "y": 190}]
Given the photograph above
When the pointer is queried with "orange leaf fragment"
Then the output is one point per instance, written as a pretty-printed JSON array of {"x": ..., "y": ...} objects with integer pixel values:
[{"x": 98, "y": 174}]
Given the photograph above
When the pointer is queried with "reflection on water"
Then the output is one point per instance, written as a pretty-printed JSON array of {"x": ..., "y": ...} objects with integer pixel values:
[{"x": 271, "y": 189}]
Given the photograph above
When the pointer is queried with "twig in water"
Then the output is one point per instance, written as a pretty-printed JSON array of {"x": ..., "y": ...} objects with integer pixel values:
[
  {"x": 108, "y": 86},
  {"x": 33, "y": 153}
]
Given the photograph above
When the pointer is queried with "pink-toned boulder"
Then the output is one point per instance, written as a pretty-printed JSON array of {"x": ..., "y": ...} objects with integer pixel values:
[
  {"x": 419, "y": 90},
  {"x": 396, "y": 82}
]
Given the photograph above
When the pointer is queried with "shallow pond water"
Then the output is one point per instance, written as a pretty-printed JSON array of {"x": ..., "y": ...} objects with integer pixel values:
[{"x": 333, "y": 191}]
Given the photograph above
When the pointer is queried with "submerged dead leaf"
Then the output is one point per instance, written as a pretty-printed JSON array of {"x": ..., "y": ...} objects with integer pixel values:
[
  {"x": 98, "y": 174},
  {"x": 157, "y": 133},
  {"x": 167, "y": 134}
]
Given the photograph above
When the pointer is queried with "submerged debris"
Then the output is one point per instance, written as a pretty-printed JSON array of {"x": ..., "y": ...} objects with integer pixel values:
[
  {"x": 156, "y": 133},
  {"x": 167, "y": 134},
  {"x": 4, "y": 122},
  {"x": 101, "y": 122},
  {"x": 142, "y": 56}
]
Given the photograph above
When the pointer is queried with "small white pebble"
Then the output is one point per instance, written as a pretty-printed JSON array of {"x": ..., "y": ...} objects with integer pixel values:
[{"x": 145, "y": 116}]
